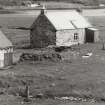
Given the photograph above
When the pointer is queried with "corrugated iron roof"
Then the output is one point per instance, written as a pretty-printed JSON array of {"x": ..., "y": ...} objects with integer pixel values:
[
  {"x": 4, "y": 41},
  {"x": 67, "y": 20},
  {"x": 95, "y": 29}
]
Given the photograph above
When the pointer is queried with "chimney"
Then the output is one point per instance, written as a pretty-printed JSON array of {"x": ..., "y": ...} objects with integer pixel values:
[
  {"x": 79, "y": 10},
  {"x": 43, "y": 10}
]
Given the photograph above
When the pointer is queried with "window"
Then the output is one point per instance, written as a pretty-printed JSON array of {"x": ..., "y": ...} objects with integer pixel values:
[{"x": 76, "y": 36}]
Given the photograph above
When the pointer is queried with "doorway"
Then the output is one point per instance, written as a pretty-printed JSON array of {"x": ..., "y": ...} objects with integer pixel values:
[{"x": 89, "y": 35}]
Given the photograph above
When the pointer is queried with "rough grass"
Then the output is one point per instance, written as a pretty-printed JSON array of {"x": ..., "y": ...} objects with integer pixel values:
[
  {"x": 17, "y": 36},
  {"x": 83, "y": 77}
]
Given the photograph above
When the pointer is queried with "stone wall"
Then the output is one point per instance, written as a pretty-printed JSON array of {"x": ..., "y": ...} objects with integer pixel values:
[
  {"x": 43, "y": 33},
  {"x": 66, "y": 37}
]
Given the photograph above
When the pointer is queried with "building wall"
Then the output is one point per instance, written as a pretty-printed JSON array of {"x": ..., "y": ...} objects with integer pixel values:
[
  {"x": 66, "y": 37},
  {"x": 96, "y": 33},
  {"x": 6, "y": 57},
  {"x": 1, "y": 59},
  {"x": 43, "y": 33}
]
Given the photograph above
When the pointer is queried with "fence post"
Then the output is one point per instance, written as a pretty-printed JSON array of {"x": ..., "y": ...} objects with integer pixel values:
[{"x": 27, "y": 92}]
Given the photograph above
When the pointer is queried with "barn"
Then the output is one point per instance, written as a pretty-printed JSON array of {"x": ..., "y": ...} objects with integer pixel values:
[
  {"x": 61, "y": 29},
  {"x": 6, "y": 51}
]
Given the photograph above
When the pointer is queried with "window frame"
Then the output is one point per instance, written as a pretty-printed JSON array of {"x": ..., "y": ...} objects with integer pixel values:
[{"x": 76, "y": 36}]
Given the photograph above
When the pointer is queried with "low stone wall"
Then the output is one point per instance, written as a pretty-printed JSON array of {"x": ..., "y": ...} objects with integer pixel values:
[
  {"x": 40, "y": 57},
  {"x": 50, "y": 56}
]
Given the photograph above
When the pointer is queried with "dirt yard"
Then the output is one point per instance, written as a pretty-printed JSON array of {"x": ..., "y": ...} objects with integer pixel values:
[{"x": 49, "y": 81}]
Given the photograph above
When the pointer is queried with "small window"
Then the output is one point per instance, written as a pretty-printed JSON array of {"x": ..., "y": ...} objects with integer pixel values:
[{"x": 76, "y": 37}]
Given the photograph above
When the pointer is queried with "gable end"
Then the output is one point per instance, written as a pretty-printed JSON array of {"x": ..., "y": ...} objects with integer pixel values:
[{"x": 42, "y": 20}]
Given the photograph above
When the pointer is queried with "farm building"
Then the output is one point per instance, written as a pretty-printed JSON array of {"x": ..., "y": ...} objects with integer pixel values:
[
  {"x": 6, "y": 51},
  {"x": 61, "y": 29}
]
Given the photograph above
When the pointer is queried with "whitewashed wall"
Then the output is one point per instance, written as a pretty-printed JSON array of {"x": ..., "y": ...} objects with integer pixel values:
[
  {"x": 2, "y": 52},
  {"x": 1, "y": 59},
  {"x": 66, "y": 37},
  {"x": 96, "y": 36}
]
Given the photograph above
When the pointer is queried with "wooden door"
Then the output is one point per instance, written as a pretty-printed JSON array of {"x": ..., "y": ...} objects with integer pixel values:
[{"x": 89, "y": 36}]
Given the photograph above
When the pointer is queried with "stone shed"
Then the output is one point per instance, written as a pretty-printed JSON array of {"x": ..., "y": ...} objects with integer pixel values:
[
  {"x": 61, "y": 28},
  {"x": 6, "y": 51}
]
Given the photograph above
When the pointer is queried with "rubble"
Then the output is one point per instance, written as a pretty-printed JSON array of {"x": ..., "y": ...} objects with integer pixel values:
[
  {"x": 71, "y": 98},
  {"x": 87, "y": 55},
  {"x": 40, "y": 57}
]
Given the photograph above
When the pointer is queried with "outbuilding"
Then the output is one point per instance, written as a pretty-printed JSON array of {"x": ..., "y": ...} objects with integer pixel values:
[
  {"x": 61, "y": 28},
  {"x": 6, "y": 51}
]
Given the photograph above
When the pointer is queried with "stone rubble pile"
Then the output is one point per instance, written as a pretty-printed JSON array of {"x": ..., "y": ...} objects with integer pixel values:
[
  {"x": 40, "y": 57},
  {"x": 92, "y": 100}
]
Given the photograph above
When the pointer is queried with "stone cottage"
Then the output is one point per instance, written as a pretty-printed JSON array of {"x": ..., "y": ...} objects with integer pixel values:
[{"x": 61, "y": 29}]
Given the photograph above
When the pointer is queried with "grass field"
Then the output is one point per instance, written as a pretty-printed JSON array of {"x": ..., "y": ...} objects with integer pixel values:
[
  {"x": 8, "y": 25},
  {"x": 78, "y": 77}
]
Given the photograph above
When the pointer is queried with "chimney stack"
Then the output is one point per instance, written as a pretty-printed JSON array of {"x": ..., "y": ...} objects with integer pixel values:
[{"x": 43, "y": 10}]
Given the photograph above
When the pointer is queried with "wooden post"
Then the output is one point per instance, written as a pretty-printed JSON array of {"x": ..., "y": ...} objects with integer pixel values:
[
  {"x": 78, "y": 46},
  {"x": 103, "y": 46},
  {"x": 27, "y": 92},
  {"x": 41, "y": 43}
]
